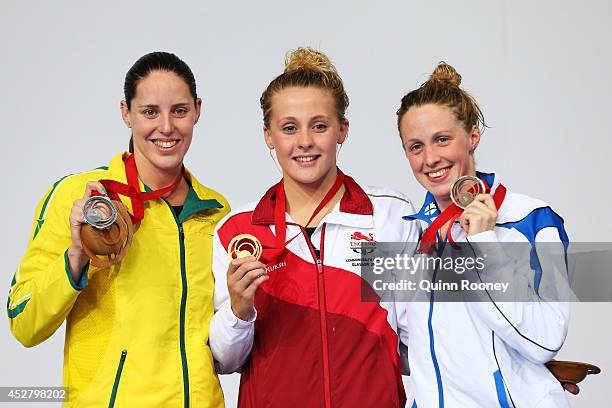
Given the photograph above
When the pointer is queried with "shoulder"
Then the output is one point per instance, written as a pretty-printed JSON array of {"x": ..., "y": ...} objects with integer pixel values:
[
  {"x": 518, "y": 206},
  {"x": 238, "y": 217},
  {"x": 72, "y": 186},
  {"x": 529, "y": 216},
  {"x": 382, "y": 197},
  {"x": 390, "y": 206}
]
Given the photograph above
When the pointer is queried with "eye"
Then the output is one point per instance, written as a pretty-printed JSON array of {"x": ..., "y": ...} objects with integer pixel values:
[
  {"x": 289, "y": 129},
  {"x": 442, "y": 140},
  {"x": 415, "y": 147},
  {"x": 320, "y": 127},
  {"x": 149, "y": 112},
  {"x": 181, "y": 111}
]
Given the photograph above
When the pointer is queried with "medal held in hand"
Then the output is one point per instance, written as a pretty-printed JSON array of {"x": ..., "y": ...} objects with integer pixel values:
[
  {"x": 244, "y": 245},
  {"x": 465, "y": 189},
  {"x": 107, "y": 232}
]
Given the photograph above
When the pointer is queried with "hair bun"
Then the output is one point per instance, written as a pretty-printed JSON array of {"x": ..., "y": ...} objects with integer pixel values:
[
  {"x": 308, "y": 59},
  {"x": 446, "y": 74}
]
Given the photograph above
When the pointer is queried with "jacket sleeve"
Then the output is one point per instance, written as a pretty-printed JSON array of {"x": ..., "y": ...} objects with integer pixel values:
[
  {"x": 231, "y": 338},
  {"x": 533, "y": 317},
  {"x": 43, "y": 292}
]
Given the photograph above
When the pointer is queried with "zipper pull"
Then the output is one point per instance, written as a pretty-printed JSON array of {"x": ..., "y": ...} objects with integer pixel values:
[
  {"x": 319, "y": 266},
  {"x": 181, "y": 232},
  {"x": 123, "y": 355}
]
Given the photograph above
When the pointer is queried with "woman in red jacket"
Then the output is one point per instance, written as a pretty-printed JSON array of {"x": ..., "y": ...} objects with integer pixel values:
[{"x": 298, "y": 320}]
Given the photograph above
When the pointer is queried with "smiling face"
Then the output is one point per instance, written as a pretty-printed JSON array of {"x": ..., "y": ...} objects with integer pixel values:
[
  {"x": 438, "y": 148},
  {"x": 304, "y": 131},
  {"x": 162, "y": 115}
]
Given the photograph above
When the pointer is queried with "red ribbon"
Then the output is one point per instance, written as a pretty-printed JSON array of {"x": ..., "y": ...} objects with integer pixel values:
[
  {"x": 452, "y": 212},
  {"x": 132, "y": 189},
  {"x": 280, "y": 223}
]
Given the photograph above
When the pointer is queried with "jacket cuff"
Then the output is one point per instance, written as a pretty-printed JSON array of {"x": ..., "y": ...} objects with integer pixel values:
[
  {"x": 80, "y": 285},
  {"x": 228, "y": 316}
]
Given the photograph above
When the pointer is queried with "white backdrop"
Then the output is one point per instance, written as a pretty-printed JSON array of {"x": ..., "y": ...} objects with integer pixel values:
[{"x": 540, "y": 69}]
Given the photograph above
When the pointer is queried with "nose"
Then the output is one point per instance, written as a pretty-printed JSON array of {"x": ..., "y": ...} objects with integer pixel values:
[
  {"x": 431, "y": 156},
  {"x": 305, "y": 139},
  {"x": 166, "y": 125}
]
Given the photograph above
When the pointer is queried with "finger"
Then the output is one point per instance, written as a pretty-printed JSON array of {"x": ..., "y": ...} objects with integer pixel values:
[
  {"x": 486, "y": 199},
  {"x": 234, "y": 264},
  {"x": 571, "y": 388},
  {"x": 251, "y": 276},
  {"x": 76, "y": 213},
  {"x": 245, "y": 267},
  {"x": 482, "y": 209},
  {"x": 93, "y": 186},
  {"x": 250, "y": 291},
  {"x": 464, "y": 221},
  {"x": 477, "y": 204},
  {"x": 239, "y": 286}
]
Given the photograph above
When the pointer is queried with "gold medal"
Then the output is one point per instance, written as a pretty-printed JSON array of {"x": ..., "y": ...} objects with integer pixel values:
[
  {"x": 465, "y": 189},
  {"x": 244, "y": 245}
]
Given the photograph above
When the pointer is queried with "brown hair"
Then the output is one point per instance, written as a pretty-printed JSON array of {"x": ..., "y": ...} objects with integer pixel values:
[
  {"x": 442, "y": 88},
  {"x": 305, "y": 67}
]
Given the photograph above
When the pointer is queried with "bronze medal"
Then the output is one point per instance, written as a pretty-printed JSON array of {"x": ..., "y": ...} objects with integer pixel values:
[{"x": 465, "y": 189}]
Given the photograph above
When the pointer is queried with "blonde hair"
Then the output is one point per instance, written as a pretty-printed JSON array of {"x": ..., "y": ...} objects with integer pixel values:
[
  {"x": 442, "y": 88},
  {"x": 306, "y": 67}
]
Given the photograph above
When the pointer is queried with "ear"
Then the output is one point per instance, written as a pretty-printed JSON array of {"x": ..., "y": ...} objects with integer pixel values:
[
  {"x": 198, "y": 112},
  {"x": 268, "y": 138},
  {"x": 474, "y": 138},
  {"x": 125, "y": 113},
  {"x": 344, "y": 128}
]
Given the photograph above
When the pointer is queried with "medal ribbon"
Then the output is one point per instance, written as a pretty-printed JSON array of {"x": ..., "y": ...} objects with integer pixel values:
[
  {"x": 132, "y": 189},
  {"x": 280, "y": 223},
  {"x": 452, "y": 212}
]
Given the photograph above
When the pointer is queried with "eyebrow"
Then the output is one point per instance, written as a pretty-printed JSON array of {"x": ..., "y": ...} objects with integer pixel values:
[
  {"x": 438, "y": 133},
  {"x": 157, "y": 106}
]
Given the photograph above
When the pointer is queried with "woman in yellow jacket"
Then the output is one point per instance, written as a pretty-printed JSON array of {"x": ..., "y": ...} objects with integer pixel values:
[{"x": 136, "y": 332}]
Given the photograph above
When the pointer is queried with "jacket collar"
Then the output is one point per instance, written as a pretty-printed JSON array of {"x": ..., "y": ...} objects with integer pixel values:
[
  {"x": 355, "y": 208},
  {"x": 429, "y": 211},
  {"x": 197, "y": 198}
]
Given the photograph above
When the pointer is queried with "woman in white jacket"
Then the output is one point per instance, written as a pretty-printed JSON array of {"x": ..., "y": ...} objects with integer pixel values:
[{"x": 489, "y": 349}]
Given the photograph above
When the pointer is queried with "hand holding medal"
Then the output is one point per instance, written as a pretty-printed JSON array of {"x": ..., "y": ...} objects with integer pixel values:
[
  {"x": 107, "y": 233},
  {"x": 470, "y": 201},
  {"x": 479, "y": 212}
]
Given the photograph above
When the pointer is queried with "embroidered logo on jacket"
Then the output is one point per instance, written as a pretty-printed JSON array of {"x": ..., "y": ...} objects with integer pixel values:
[{"x": 361, "y": 243}]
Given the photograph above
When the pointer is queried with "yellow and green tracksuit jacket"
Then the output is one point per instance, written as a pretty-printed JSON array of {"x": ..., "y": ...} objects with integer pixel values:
[{"x": 137, "y": 332}]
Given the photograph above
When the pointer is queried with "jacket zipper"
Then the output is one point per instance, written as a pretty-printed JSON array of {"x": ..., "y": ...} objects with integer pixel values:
[
  {"x": 111, "y": 403},
  {"x": 322, "y": 313},
  {"x": 183, "y": 307},
  {"x": 182, "y": 317}
]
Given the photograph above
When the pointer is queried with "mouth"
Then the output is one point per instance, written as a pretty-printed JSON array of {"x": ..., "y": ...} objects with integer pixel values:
[
  {"x": 165, "y": 144},
  {"x": 439, "y": 174},
  {"x": 306, "y": 160}
]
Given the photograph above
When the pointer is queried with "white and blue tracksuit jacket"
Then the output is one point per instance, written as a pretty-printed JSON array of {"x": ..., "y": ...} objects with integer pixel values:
[{"x": 488, "y": 353}]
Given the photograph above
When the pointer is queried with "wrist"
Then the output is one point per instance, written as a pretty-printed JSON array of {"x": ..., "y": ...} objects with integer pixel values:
[
  {"x": 77, "y": 259},
  {"x": 244, "y": 315}
]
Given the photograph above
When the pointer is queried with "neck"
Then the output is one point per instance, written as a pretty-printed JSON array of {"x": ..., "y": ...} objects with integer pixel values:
[
  {"x": 155, "y": 178},
  {"x": 303, "y": 199},
  {"x": 443, "y": 203}
]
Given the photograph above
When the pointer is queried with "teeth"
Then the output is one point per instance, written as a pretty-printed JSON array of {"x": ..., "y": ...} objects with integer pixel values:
[
  {"x": 165, "y": 143},
  {"x": 439, "y": 173},
  {"x": 305, "y": 159}
]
